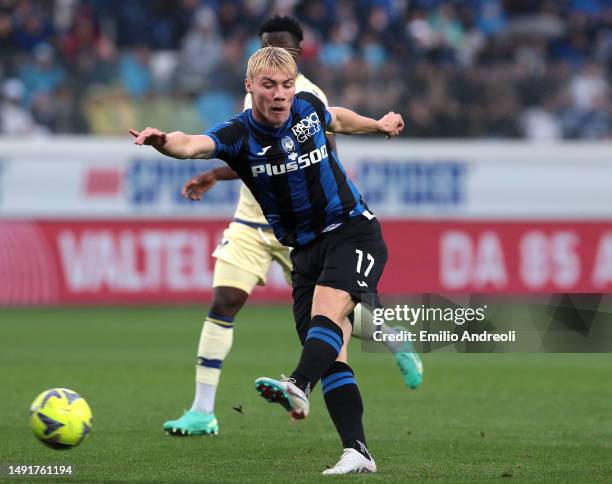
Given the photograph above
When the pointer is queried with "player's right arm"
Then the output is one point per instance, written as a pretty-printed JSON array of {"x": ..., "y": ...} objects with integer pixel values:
[{"x": 176, "y": 144}]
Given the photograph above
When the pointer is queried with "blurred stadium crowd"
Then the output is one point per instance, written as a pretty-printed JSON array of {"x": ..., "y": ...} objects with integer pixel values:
[{"x": 455, "y": 68}]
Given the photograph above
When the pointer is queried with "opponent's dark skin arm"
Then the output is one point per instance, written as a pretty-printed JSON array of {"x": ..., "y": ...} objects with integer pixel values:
[{"x": 201, "y": 183}]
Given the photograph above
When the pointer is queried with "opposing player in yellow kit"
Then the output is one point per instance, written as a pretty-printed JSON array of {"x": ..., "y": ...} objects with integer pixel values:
[{"x": 243, "y": 259}]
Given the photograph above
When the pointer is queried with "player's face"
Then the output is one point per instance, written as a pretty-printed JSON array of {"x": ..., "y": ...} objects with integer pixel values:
[
  {"x": 284, "y": 40},
  {"x": 272, "y": 94}
]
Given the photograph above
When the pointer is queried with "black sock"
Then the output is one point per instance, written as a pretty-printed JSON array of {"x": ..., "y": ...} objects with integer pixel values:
[
  {"x": 344, "y": 405},
  {"x": 321, "y": 348}
]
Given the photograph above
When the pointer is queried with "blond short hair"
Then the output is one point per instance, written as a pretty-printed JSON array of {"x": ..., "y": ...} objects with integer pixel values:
[{"x": 271, "y": 59}]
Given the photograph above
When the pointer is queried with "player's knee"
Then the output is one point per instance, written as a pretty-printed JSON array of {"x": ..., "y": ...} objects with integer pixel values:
[
  {"x": 333, "y": 303},
  {"x": 227, "y": 301}
]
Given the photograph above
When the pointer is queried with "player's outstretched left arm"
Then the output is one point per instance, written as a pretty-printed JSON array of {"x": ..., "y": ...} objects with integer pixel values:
[
  {"x": 176, "y": 144},
  {"x": 345, "y": 121}
]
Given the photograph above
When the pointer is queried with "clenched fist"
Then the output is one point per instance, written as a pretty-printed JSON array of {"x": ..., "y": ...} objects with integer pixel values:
[{"x": 391, "y": 124}]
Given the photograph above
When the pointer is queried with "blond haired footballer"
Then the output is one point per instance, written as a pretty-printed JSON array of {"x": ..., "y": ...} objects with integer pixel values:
[
  {"x": 313, "y": 207},
  {"x": 243, "y": 259}
]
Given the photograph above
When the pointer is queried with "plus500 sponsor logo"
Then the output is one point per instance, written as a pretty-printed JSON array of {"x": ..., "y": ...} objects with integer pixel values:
[{"x": 296, "y": 163}]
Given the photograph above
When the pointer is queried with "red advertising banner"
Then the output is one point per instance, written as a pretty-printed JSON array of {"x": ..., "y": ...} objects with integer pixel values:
[
  {"x": 505, "y": 257},
  {"x": 112, "y": 262},
  {"x": 123, "y": 262}
]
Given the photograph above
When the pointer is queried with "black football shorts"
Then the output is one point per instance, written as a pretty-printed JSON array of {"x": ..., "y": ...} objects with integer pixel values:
[{"x": 351, "y": 258}]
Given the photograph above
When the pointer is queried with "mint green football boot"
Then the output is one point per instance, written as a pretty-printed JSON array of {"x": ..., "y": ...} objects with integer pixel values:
[
  {"x": 193, "y": 423},
  {"x": 410, "y": 365}
]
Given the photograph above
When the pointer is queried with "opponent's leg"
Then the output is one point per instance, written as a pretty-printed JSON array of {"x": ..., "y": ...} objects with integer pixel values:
[
  {"x": 215, "y": 343},
  {"x": 406, "y": 357}
]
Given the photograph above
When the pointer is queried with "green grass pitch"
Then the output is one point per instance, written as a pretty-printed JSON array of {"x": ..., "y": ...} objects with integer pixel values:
[{"x": 508, "y": 418}]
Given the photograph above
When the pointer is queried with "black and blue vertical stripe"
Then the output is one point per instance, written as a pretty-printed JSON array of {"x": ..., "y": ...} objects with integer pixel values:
[{"x": 300, "y": 203}]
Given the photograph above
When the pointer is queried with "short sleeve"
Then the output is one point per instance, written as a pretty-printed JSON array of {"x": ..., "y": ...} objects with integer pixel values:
[
  {"x": 318, "y": 106},
  {"x": 228, "y": 140},
  {"x": 328, "y": 118}
]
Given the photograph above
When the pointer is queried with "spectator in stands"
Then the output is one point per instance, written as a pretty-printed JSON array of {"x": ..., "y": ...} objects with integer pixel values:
[
  {"x": 475, "y": 68},
  {"x": 201, "y": 51},
  {"x": 41, "y": 74},
  {"x": 135, "y": 72},
  {"x": 15, "y": 120}
]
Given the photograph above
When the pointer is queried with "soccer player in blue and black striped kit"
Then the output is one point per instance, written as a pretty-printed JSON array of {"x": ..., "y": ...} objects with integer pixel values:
[{"x": 279, "y": 149}]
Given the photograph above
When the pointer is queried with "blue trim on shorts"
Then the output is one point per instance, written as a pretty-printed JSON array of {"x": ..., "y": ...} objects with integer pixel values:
[{"x": 252, "y": 224}]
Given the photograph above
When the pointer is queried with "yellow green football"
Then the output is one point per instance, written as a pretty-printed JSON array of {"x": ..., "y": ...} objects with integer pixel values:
[{"x": 60, "y": 418}]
